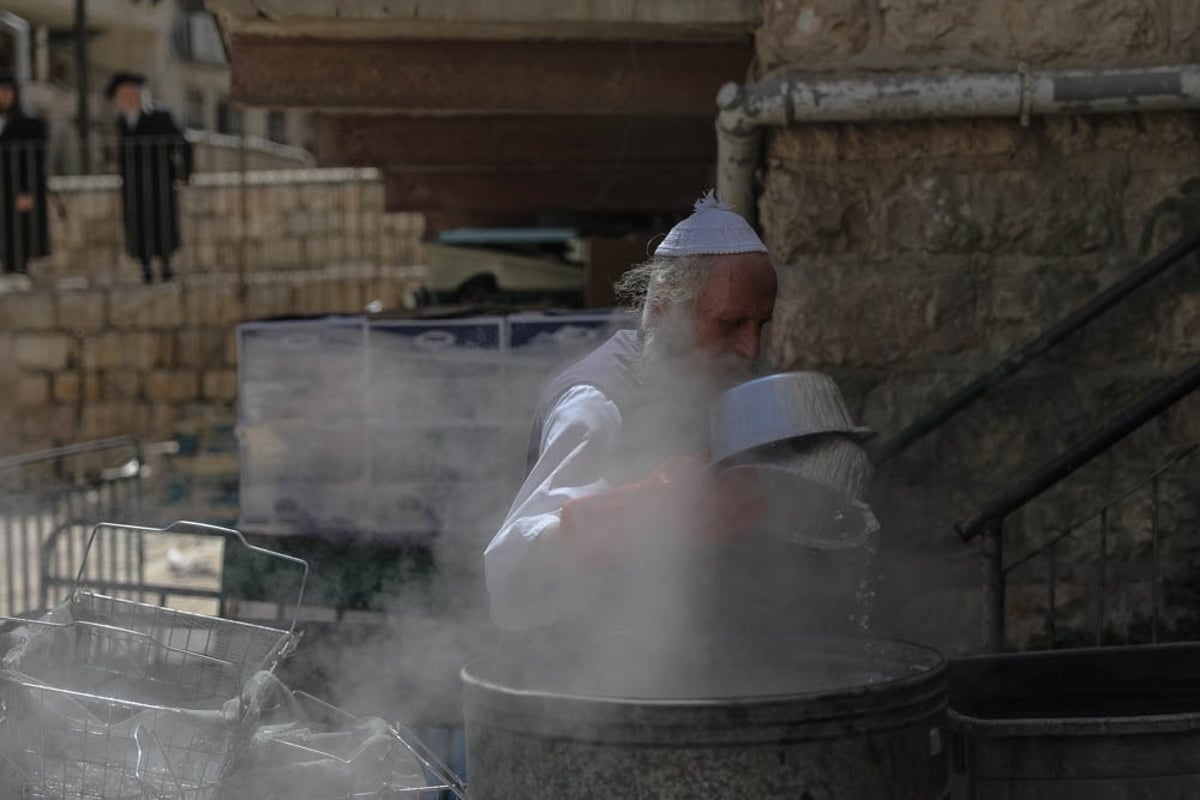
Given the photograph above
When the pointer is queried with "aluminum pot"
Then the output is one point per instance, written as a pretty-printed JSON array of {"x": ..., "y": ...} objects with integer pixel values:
[
  {"x": 769, "y": 716},
  {"x": 778, "y": 408}
]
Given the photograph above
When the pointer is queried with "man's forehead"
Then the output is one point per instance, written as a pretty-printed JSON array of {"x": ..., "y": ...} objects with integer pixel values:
[{"x": 744, "y": 280}]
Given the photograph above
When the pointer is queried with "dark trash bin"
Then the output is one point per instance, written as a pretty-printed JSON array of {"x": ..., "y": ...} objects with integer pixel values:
[{"x": 1111, "y": 723}]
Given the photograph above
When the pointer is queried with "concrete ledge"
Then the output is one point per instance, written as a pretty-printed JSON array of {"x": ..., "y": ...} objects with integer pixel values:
[{"x": 273, "y": 177}]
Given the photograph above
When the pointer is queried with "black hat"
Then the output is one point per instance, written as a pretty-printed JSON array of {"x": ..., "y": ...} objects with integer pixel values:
[
  {"x": 8, "y": 77},
  {"x": 121, "y": 78}
]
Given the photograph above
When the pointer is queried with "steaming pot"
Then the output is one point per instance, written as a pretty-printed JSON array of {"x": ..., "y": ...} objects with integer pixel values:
[{"x": 778, "y": 716}]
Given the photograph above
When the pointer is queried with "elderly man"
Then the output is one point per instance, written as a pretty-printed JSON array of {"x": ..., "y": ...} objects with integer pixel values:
[
  {"x": 154, "y": 160},
  {"x": 616, "y": 503},
  {"x": 25, "y": 228}
]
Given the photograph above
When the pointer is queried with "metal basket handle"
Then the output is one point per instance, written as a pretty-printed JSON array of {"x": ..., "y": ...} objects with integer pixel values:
[{"x": 199, "y": 528}]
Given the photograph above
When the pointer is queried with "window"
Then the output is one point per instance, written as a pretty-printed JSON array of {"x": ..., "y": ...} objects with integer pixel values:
[
  {"x": 9, "y": 48},
  {"x": 193, "y": 113},
  {"x": 229, "y": 119},
  {"x": 197, "y": 38},
  {"x": 277, "y": 126}
]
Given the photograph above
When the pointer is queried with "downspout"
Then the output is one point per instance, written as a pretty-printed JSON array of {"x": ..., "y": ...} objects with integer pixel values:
[{"x": 745, "y": 110}]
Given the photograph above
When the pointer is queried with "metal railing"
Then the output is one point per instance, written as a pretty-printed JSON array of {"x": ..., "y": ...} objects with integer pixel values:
[
  {"x": 989, "y": 520},
  {"x": 1049, "y": 338},
  {"x": 1099, "y": 523},
  {"x": 49, "y": 502}
]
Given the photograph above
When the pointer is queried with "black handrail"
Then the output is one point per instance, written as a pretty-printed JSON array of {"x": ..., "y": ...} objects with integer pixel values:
[
  {"x": 1047, "y": 339},
  {"x": 1081, "y": 453}
]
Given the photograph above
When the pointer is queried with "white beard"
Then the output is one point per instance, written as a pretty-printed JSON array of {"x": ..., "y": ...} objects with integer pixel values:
[
  {"x": 682, "y": 381},
  {"x": 670, "y": 357}
]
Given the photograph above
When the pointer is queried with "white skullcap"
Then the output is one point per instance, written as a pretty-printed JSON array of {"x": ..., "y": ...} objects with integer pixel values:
[{"x": 713, "y": 229}]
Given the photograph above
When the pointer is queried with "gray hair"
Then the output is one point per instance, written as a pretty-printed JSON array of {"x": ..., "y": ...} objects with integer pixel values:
[{"x": 667, "y": 281}]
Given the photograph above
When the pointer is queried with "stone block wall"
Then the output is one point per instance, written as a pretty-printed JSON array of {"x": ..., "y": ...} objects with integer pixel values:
[
  {"x": 253, "y": 221},
  {"x": 915, "y": 255},
  {"x": 131, "y": 359},
  {"x": 91, "y": 352}
]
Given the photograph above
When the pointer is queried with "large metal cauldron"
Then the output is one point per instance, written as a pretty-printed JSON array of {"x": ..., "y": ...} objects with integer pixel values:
[
  {"x": 784, "y": 716},
  {"x": 1093, "y": 724}
]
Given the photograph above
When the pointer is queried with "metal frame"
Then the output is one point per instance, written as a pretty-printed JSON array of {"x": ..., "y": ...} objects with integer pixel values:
[
  {"x": 995, "y": 571},
  {"x": 44, "y": 523}
]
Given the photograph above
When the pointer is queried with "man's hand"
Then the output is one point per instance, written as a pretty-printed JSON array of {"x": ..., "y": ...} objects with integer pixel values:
[
  {"x": 732, "y": 504},
  {"x": 679, "y": 496},
  {"x": 24, "y": 203}
]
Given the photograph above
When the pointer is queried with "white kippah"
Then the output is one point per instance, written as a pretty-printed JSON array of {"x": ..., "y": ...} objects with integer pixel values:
[{"x": 713, "y": 229}]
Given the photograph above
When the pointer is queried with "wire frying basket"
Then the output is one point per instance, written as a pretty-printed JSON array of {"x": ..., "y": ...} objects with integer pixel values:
[
  {"x": 111, "y": 698},
  {"x": 327, "y": 753}
]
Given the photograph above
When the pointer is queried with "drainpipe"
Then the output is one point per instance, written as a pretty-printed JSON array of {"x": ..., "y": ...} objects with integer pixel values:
[{"x": 746, "y": 109}]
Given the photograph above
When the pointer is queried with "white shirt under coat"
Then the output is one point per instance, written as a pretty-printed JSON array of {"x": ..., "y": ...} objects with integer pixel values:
[{"x": 531, "y": 581}]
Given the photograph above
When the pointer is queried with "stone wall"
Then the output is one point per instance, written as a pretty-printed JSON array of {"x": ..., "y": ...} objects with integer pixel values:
[
  {"x": 103, "y": 361},
  {"x": 265, "y": 220},
  {"x": 914, "y": 255},
  {"x": 90, "y": 352}
]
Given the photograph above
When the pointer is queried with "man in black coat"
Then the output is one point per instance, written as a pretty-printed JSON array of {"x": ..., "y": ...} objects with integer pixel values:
[
  {"x": 154, "y": 161},
  {"x": 24, "y": 226}
]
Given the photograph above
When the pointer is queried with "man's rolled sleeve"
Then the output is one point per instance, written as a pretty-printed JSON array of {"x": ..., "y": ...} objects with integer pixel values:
[{"x": 530, "y": 580}]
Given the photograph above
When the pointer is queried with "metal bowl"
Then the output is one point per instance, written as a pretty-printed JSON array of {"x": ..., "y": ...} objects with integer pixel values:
[
  {"x": 778, "y": 408},
  {"x": 814, "y": 490}
]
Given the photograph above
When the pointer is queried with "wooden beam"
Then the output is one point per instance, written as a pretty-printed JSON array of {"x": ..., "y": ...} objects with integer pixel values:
[
  {"x": 557, "y": 77},
  {"x": 534, "y": 189},
  {"x": 488, "y": 19},
  {"x": 399, "y": 139}
]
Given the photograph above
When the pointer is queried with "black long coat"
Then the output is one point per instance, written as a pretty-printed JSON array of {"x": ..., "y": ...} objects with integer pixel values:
[
  {"x": 23, "y": 171},
  {"x": 151, "y": 157}
]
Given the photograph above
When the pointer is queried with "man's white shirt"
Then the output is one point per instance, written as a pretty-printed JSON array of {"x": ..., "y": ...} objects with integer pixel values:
[{"x": 531, "y": 580}]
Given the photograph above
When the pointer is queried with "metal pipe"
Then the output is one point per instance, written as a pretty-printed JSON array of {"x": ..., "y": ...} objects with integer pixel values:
[
  {"x": 1082, "y": 452},
  {"x": 1014, "y": 363},
  {"x": 82, "y": 112},
  {"x": 1051, "y": 600},
  {"x": 1102, "y": 575},
  {"x": 994, "y": 601},
  {"x": 58, "y": 453},
  {"x": 746, "y": 109},
  {"x": 1154, "y": 578}
]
